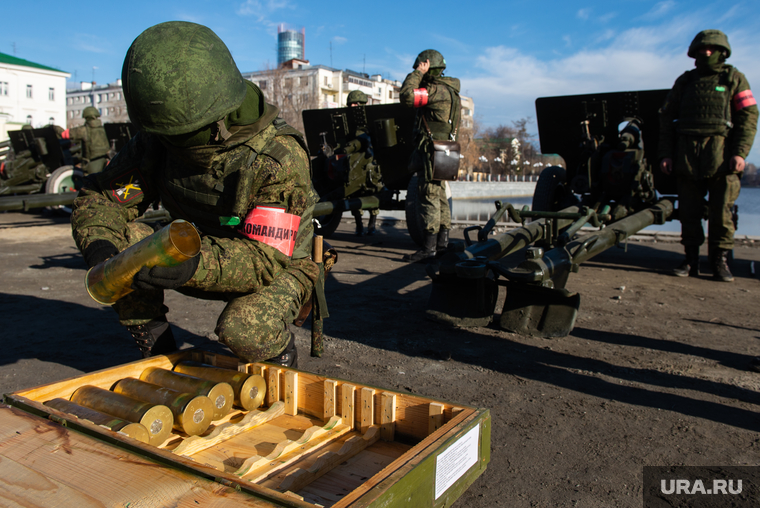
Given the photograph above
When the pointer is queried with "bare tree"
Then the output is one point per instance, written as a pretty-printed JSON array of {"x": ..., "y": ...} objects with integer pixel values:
[
  {"x": 292, "y": 92},
  {"x": 469, "y": 147}
]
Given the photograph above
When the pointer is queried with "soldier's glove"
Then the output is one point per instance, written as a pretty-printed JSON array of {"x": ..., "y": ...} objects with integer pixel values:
[
  {"x": 98, "y": 251},
  {"x": 165, "y": 277}
]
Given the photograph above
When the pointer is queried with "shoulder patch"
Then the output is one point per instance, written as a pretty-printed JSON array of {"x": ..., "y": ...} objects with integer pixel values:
[{"x": 126, "y": 186}]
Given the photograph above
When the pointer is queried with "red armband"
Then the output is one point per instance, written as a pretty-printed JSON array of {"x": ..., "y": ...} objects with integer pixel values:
[
  {"x": 744, "y": 100},
  {"x": 272, "y": 226},
  {"x": 420, "y": 97},
  {"x": 65, "y": 134}
]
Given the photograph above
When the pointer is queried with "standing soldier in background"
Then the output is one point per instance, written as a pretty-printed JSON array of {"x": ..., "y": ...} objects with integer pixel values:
[
  {"x": 437, "y": 97},
  {"x": 217, "y": 155},
  {"x": 707, "y": 126},
  {"x": 96, "y": 146},
  {"x": 359, "y": 98}
]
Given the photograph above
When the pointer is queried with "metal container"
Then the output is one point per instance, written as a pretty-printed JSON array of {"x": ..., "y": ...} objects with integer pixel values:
[
  {"x": 221, "y": 394},
  {"x": 156, "y": 418},
  {"x": 192, "y": 413},
  {"x": 249, "y": 389},
  {"x": 133, "y": 430},
  {"x": 110, "y": 280}
]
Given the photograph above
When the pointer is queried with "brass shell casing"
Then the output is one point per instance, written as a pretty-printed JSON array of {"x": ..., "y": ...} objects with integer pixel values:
[
  {"x": 192, "y": 413},
  {"x": 249, "y": 389},
  {"x": 221, "y": 394},
  {"x": 110, "y": 280},
  {"x": 133, "y": 430},
  {"x": 157, "y": 418}
]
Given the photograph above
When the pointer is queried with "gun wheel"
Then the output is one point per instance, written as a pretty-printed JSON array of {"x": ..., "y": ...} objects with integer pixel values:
[
  {"x": 412, "y": 212},
  {"x": 63, "y": 180}
]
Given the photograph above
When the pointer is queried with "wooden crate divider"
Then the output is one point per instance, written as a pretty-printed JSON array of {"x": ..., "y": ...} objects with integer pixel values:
[
  {"x": 195, "y": 444},
  {"x": 300, "y": 478},
  {"x": 291, "y": 392},
  {"x": 348, "y": 394},
  {"x": 330, "y": 401},
  {"x": 367, "y": 409},
  {"x": 388, "y": 416},
  {"x": 435, "y": 413},
  {"x": 286, "y": 452},
  {"x": 273, "y": 385}
]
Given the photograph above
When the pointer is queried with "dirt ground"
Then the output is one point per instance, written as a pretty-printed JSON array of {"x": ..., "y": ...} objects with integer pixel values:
[{"x": 654, "y": 372}]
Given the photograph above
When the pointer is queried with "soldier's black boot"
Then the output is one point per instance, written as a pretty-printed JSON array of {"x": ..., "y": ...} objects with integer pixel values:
[
  {"x": 154, "y": 337},
  {"x": 442, "y": 242},
  {"x": 371, "y": 225},
  {"x": 289, "y": 355},
  {"x": 720, "y": 265},
  {"x": 690, "y": 265},
  {"x": 359, "y": 226},
  {"x": 427, "y": 252}
]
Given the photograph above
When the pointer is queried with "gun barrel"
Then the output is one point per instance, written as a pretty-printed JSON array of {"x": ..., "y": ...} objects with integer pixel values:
[
  {"x": 340, "y": 205},
  {"x": 174, "y": 244}
]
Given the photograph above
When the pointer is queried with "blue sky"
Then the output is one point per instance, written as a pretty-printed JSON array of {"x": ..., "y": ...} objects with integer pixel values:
[{"x": 506, "y": 53}]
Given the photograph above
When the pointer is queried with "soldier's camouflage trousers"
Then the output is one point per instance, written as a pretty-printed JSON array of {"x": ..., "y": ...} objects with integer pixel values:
[
  {"x": 722, "y": 191},
  {"x": 252, "y": 325},
  {"x": 434, "y": 205}
]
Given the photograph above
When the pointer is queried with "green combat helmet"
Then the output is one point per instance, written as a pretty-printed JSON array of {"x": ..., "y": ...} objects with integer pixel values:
[
  {"x": 356, "y": 97},
  {"x": 436, "y": 59},
  {"x": 179, "y": 77},
  {"x": 709, "y": 38},
  {"x": 90, "y": 113}
]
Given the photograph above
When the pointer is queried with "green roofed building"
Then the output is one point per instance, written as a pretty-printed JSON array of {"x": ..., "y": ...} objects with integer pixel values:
[{"x": 30, "y": 93}]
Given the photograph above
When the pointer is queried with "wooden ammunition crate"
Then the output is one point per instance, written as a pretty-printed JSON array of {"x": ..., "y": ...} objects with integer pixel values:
[{"x": 314, "y": 442}]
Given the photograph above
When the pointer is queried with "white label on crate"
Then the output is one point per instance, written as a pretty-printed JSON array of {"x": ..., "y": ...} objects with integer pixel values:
[{"x": 451, "y": 464}]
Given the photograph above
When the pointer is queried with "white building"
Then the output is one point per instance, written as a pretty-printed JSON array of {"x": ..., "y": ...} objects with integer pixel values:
[
  {"x": 107, "y": 99},
  {"x": 322, "y": 86},
  {"x": 30, "y": 93}
]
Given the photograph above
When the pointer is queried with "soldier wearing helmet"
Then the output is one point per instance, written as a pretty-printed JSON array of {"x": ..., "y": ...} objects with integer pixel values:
[
  {"x": 94, "y": 138},
  {"x": 358, "y": 98},
  {"x": 437, "y": 98},
  {"x": 707, "y": 126},
  {"x": 215, "y": 153}
]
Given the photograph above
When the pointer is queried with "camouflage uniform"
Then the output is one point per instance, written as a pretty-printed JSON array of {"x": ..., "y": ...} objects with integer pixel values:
[
  {"x": 438, "y": 100},
  {"x": 257, "y": 163},
  {"x": 708, "y": 117},
  {"x": 96, "y": 143}
]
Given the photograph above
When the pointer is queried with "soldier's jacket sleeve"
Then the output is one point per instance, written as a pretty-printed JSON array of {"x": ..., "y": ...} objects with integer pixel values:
[
  {"x": 744, "y": 117},
  {"x": 411, "y": 83},
  {"x": 78, "y": 133},
  {"x": 244, "y": 265},
  {"x": 111, "y": 199},
  {"x": 668, "y": 116},
  {"x": 437, "y": 102}
]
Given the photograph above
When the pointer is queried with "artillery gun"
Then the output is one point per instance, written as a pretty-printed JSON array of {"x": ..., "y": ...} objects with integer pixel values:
[
  {"x": 361, "y": 162},
  {"x": 608, "y": 142},
  {"x": 42, "y": 170}
]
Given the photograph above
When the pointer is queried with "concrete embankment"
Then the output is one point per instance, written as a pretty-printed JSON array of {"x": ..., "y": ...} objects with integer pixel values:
[{"x": 487, "y": 190}]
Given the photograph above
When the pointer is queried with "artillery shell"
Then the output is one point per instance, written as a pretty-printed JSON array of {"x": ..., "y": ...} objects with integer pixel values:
[
  {"x": 221, "y": 394},
  {"x": 192, "y": 413},
  {"x": 133, "y": 430},
  {"x": 249, "y": 389},
  {"x": 112, "y": 279},
  {"x": 156, "y": 418}
]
